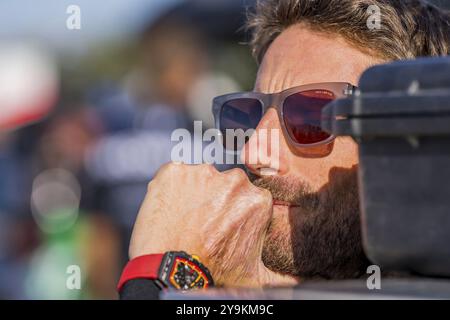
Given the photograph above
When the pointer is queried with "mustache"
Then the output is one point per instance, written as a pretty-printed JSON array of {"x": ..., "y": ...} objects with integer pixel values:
[{"x": 293, "y": 191}]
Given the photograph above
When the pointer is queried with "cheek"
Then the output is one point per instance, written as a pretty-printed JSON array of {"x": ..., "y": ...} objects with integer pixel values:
[
  {"x": 345, "y": 153},
  {"x": 316, "y": 172}
]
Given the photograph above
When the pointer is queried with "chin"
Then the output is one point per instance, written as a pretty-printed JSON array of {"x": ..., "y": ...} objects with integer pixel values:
[{"x": 277, "y": 250}]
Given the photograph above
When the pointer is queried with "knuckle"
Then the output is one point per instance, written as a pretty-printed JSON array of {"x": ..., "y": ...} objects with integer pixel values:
[
  {"x": 238, "y": 174},
  {"x": 165, "y": 172},
  {"x": 170, "y": 167},
  {"x": 150, "y": 186},
  {"x": 164, "y": 169},
  {"x": 208, "y": 168}
]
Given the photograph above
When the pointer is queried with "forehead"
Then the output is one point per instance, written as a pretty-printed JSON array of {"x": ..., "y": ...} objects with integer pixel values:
[{"x": 301, "y": 56}]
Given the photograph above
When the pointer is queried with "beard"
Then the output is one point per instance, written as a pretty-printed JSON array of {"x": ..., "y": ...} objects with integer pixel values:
[{"x": 321, "y": 236}]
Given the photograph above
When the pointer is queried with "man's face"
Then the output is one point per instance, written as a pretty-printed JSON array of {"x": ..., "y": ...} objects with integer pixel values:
[{"x": 315, "y": 229}]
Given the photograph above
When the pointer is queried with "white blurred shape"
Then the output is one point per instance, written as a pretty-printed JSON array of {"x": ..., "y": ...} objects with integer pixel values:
[{"x": 29, "y": 84}]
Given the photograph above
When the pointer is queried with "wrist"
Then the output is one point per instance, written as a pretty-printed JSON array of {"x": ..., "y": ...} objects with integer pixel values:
[
  {"x": 177, "y": 270},
  {"x": 141, "y": 267}
]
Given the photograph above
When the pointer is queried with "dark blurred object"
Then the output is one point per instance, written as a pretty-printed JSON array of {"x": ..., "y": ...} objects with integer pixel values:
[
  {"x": 218, "y": 19},
  {"x": 392, "y": 289},
  {"x": 442, "y": 3},
  {"x": 401, "y": 120},
  {"x": 187, "y": 41}
]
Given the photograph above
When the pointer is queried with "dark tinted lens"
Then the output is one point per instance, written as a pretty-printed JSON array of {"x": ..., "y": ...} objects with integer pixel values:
[
  {"x": 242, "y": 113},
  {"x": 303, "y": 114}
]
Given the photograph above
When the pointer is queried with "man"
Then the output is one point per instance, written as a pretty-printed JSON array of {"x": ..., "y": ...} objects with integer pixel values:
[{"x": 297, "y": 217}]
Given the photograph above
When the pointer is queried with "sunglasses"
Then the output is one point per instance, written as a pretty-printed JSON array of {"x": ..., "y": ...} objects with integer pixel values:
[{"x": 299, "y": 110}]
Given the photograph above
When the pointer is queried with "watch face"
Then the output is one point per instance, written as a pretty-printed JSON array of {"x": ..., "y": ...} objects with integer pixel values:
[
  {"x": 186, "y": 275},
  {"x": 183, "y": 272}
]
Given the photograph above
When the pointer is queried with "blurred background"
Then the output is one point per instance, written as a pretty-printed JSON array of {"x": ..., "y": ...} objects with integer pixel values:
[
  {"x": 87, "y": 108},
  {"x": 100, "y": 103}
]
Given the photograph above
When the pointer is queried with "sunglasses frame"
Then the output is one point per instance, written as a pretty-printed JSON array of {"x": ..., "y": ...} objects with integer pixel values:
[{"x": 276, "y": 101}]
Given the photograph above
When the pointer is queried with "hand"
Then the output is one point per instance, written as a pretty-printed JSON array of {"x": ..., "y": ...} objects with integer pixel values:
[{"x": 221, "y": 217}]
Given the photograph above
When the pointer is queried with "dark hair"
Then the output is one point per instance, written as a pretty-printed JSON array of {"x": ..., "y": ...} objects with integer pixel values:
[{"x": 409, "y": 28}]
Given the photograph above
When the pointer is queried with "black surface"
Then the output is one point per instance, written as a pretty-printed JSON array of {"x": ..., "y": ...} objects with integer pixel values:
[
  {"x": 401, "y": 121},
  {"x": 395, "y": 289}
]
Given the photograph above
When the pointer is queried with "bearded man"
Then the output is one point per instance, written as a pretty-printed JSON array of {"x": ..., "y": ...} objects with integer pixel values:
[{"x": 293, "y": 214}]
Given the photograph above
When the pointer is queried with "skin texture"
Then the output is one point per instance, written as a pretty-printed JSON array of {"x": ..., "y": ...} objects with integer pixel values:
[{"x": 300, "y": 222}]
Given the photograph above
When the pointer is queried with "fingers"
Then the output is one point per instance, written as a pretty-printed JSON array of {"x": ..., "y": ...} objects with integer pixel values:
[
  {"x": 174, "y": 167},
  {"x": 236, "y": 174},
  {"x": 258, "y": 202},
  {"x": 207, "y": 174}
]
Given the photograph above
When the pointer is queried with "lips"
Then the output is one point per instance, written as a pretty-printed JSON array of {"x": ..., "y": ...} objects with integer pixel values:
[{"x": 284, "y": 204}]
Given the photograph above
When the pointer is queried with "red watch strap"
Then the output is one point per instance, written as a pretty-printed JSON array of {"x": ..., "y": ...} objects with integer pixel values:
[{"x": 143, "y": 267}]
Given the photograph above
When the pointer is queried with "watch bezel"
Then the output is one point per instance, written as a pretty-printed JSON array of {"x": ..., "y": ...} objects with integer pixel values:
[{"x": 167, "y": 267}]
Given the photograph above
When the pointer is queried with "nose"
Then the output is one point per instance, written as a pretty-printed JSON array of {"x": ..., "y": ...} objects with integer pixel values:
[{"x": 265, "y": 153}]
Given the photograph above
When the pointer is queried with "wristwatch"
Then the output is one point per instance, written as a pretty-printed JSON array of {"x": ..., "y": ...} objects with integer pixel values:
[{"x": 175, "y": 269}]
